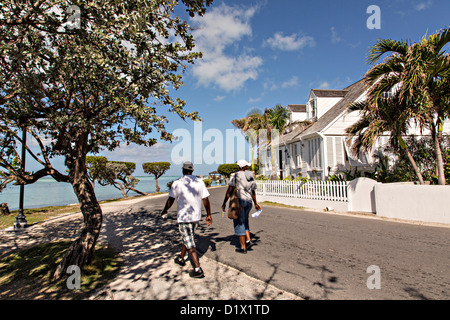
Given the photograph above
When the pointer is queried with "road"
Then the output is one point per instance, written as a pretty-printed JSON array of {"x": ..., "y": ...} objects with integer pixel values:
[{"x": 319, "y": 255}]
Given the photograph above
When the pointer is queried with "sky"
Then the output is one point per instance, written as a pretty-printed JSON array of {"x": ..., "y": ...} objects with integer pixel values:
[{"x": 259, "y": 53}]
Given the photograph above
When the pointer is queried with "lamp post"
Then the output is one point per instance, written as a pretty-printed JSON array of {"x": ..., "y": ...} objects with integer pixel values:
[{"x": 21, "y": 221}]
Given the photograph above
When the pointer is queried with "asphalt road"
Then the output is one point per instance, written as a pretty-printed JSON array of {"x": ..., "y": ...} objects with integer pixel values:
[{"x": 319, "y": 255}]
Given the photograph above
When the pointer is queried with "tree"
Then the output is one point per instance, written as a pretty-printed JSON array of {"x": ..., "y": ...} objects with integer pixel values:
[
  {"x": 87, "y": 87},
  {"x": 96, "y": 166},
  {"x": 227, "y": 169},
  {"x": 272, "y": 120},
  {"x": 275, "y": 120},
  {"x": 385, "y": 115},
  {"x": 157, "y": 169},
  {"x": 250, "y": 126},
  {"x": 119, "y": 175},
  {"x": 420, "y": 72}
]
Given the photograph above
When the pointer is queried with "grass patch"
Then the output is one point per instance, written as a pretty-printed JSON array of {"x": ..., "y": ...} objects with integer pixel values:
[
  {"x": 26, "y": 274},
  {"x": 37, "y": 214},
  {"x": 274, "y": 204}
]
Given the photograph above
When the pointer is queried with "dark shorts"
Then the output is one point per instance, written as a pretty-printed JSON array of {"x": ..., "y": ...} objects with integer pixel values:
[{"x": 241, "y": 223}]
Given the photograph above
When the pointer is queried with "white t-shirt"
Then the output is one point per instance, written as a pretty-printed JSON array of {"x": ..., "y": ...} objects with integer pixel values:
[
  {"x": 189, "y": 192},
  {"x": 245, "y": 184}
]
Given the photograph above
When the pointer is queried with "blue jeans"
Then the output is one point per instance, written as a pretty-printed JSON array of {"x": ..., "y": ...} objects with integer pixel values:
[{"x": 241, "y": 223}]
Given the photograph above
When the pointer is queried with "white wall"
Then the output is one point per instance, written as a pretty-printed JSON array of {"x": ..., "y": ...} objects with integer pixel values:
[
  {"x": 307, "y": 203},
  {"x": 361, "y": 195},
  {"x": 426, "y": 203}
]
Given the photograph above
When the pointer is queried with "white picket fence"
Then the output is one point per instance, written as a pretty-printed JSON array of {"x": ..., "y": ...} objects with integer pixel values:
[{"x": 314, "y": 190}]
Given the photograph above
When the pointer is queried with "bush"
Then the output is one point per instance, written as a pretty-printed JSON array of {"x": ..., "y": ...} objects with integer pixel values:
[
  {"x": 228, "y": 169},
  {"x": 207, "y": 182}
]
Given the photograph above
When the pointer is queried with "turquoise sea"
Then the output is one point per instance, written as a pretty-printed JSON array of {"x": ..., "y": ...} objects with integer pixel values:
[{"x": 49, "y": 192}]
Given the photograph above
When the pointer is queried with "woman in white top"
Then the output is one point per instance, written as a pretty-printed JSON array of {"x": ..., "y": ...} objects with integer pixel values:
[{"x": 246, "y": 186}]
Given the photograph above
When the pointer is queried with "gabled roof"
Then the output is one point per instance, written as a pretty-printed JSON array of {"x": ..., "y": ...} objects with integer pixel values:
[
  {"x": 297, "y": 107},
  {"x": 353, "y": 92},
  {"x": 325, "y": 93}
]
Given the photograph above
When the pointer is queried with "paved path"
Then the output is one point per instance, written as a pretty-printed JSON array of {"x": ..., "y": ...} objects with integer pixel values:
[{"x": 148, "y": 245}]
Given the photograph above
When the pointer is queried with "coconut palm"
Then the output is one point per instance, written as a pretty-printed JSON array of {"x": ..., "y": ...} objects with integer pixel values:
[
  {"x": 272, "y": 120},
  {"x": 387, "y": 115},
  {"x": 250, "y": 126},
  {"x": 420, "y": 73},
  {"x": 276, "y": 119}
]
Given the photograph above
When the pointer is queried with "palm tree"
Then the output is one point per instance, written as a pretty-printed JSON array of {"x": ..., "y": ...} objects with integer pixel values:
[
  {"x": 420, "y": 72},
  {"x": 250, "y": 126},
  {"x": 272, "y": 120},
  {"x": 387, "y": 115},
  {"x": 275, "y": 119}
]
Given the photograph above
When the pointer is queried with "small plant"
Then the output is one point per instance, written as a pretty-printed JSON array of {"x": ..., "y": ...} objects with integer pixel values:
[{"x": 207, "y": 182}]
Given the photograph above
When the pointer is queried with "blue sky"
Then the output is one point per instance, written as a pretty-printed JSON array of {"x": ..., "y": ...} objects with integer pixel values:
[{"x": 259, "y": 53}]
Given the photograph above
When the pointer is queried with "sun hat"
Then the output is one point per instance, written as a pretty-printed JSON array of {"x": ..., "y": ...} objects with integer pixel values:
[
  {"x": 188, "y": 166},
  {"x": 242, "y": 163}
]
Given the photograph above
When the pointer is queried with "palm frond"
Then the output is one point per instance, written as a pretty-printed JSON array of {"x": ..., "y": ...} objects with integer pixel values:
[{"x": 384, "y": 46}]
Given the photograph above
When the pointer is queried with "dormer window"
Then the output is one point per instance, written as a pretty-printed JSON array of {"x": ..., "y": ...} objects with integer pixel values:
[
  {"x": 388, "y": 94},
  {"x": 313, "y": 108}
]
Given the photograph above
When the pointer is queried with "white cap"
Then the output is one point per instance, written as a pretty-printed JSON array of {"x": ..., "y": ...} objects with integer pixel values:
[{"x": 243, "y": 163}]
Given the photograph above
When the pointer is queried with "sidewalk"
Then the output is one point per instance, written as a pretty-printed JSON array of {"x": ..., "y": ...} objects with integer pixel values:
[{"x": 148, "y": 245}]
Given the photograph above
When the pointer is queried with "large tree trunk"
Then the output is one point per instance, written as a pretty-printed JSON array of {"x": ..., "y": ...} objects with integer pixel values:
[
  {"x": 405, "y": 149},
  {"x": 81, "y": 251},
  {"x": 414, "y": 165},
  {"x": 439, "y": 158},
  {"x": 157, "y": 185}
]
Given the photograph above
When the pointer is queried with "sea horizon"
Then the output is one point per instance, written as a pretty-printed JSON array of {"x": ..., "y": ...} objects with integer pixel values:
[{"x": 48, "y": 192}]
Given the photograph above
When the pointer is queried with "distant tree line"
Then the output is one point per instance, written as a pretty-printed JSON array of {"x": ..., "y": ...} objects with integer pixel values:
[{"x": 119, "y": 173}]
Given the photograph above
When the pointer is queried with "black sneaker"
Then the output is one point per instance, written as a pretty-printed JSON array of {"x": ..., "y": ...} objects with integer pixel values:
[
  {"x": 196, "y": 274},
  {"x": 240, "y": 250},
  {"x": 248, "y": 244},
  {"x": 179, "y": 260}
]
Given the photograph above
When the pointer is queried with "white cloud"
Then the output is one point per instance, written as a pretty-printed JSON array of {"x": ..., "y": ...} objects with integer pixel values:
[
  {"x": 423, "y": 5},
  {"x": 254, "y": 100},
  {"x": 324, "y": 85},
  {"x": 334, "y": 36},
  {"x": 291, "y": 42},
  {"x": 219, "y": 98},
  {"x": 292, "y": 82},
  {"x": 140, "y": 154},
  {"x": 219, "y": 29}
]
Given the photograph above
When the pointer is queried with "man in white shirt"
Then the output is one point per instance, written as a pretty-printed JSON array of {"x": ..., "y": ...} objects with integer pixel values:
[{"x": 190, "y": 192}]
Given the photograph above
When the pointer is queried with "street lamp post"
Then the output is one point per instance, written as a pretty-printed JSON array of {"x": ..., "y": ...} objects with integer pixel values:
[{"x": 21, "y": 221}]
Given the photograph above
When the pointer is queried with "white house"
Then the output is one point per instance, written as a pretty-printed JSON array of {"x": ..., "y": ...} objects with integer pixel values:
[{"x": 319, "y": 149}]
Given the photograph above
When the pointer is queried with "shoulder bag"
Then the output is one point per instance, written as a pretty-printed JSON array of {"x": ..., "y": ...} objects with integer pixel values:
[{"x": 234, "y": 208}]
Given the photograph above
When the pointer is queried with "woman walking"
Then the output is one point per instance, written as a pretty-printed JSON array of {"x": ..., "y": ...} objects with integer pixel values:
[{"x": 245, "y": 183}]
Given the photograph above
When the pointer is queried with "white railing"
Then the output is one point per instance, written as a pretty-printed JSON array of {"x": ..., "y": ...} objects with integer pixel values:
[{"x": 315, "y": 190}]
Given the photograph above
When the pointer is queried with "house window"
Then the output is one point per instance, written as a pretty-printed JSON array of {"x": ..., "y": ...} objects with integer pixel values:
[
  {"x": 313, "y": 108},
  {"x": 388, "y": 94},
  {"x": 315, "y": 154},
  {"x": 296, "y": 155}
]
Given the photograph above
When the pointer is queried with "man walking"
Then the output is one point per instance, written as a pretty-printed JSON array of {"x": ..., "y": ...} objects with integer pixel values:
[{"x": 190, "y": 192}]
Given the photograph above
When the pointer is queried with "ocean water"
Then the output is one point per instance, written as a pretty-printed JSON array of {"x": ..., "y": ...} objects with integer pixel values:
[{"x": 49, "y": 192}]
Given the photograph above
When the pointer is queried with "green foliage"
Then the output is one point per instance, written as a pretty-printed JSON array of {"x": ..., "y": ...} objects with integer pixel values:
[
  {"x": 96, "y": 166},
  {"x": 156, "y": 168},
  {"x": 93, "y": 86},
  {"x": 207, "y": 182},
  {"x": 227, "y": 169}
]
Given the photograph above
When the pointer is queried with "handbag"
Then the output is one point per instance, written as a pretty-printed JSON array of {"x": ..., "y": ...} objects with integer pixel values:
[{"x": 234, "y": 208}]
